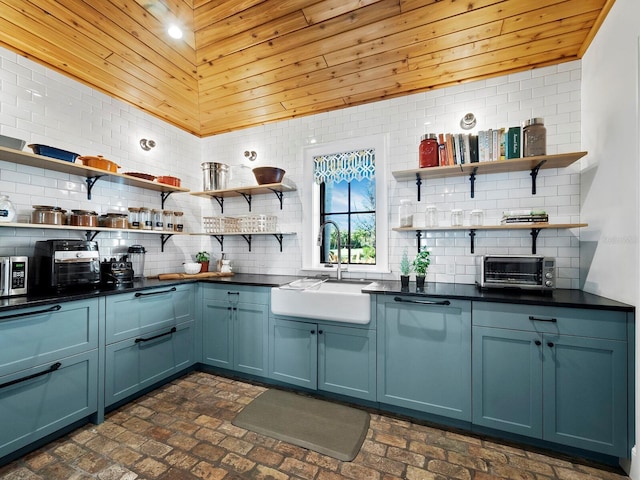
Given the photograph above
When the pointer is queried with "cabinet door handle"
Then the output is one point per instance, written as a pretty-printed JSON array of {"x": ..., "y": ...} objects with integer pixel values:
[
  {"x": 142, "y": 294},
  {"x": 550, "y": 344},
  {"x": 422, "y": 302},
  {"x": 313, "y": 332},
  {"x": 536, "y": 319},
  {"x": 538, "y": 342},
  {"x": 52, "y": 368},
  {"x": 55, "y": 308},
  {"x": 173, "y": 330},
  {"x": 320, "y": 332},
  {"x": 233, "y": 293}
]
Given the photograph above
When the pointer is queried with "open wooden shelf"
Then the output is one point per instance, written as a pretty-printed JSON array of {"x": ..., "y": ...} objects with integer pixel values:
[
  {"x": 502, "y": 166},
  {"x": 91, "y": 174},
  {"x": 91, "y": 232},
  {"x": 246, "y": 235},
  {"x": 278, "y": 189},
  {"x": 534, "y": 227}
]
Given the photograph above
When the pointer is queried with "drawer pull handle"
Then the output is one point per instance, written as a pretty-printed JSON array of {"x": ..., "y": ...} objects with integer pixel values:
[
  {"x": 233, "y": 293},
  {"x": 142, "y": 294},
  {"x": 422, "y": 302},
  {"x": 55, "y": 308},
  {"x": 173, "y": 330},
  {"x": 551, "y": 344},
  {"x": 52, "y": 368},
  {"x": 538, "y": 342},
  {"x": 536, "y": 319}
]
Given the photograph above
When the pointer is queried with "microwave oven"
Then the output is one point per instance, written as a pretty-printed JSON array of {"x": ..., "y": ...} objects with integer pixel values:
[
  {"x": 528, "y": 272},
  {"x": 13, "y": 276}
]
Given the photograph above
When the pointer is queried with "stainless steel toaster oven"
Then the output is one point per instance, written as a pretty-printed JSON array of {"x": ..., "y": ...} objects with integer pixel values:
[{"x": 529, "y": 272}]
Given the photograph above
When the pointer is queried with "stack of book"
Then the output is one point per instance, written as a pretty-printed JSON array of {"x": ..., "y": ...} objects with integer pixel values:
[
  {"x": 525, "y": 216},
  {"x": 487, "y": 146}
]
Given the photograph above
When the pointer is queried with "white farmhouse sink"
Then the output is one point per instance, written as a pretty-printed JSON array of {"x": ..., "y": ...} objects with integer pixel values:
[{"x": 311, "y": 298}]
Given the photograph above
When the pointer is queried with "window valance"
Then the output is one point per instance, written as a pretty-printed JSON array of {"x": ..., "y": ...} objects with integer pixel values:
[{"x": 347, "y": 166}]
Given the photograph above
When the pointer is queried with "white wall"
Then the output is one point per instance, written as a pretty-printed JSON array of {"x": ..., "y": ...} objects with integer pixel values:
[
  {"x": 610, "y": 177},
  {"x": 42, "y": 106}
]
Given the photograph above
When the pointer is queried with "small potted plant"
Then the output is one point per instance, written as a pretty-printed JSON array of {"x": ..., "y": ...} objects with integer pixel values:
[
  {"x": 405, "y": 270},
  {"x": 203, "y": 259},
  {"x": 420, "y": 264}
]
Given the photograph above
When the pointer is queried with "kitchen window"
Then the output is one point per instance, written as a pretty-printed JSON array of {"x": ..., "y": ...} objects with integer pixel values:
[{"x": 347, "y": 182}]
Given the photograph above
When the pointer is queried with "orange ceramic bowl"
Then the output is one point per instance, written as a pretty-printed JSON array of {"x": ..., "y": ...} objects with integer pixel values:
[{"x": 167, "y": 180}]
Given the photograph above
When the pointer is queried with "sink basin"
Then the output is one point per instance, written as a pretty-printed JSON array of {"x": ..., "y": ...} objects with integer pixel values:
[{"x": 312, "y": 298}]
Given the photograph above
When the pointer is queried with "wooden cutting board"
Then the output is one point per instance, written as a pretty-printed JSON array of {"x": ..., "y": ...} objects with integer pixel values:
[{"x": 177, "y": 276}]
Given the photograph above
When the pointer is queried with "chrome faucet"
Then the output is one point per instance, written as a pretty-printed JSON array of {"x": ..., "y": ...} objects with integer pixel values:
[{"x": 339, "y": 272}]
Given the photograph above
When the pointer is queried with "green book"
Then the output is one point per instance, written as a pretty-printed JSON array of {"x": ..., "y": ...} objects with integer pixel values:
[{"x": 514, "y": 141}]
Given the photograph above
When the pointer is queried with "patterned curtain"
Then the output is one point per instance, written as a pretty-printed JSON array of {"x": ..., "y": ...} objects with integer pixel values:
[{"x": 347, "y": 166}]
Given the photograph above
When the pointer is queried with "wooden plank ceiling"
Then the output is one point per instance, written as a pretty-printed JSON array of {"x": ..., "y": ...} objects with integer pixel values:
[{"x": 243, "y": 63}]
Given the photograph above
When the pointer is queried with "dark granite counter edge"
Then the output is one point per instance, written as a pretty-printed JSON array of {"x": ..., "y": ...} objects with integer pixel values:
[{"x": 558, "y": 298}]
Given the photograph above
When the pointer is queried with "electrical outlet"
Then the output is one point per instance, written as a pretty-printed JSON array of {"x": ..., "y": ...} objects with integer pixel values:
[{"x": 451, "y": 269}]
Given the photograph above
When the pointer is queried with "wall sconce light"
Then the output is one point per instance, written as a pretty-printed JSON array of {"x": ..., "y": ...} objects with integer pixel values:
[
  {"x": 251, "y": 155},
  {"x": 468, "y": 121},
  {"x": 147, "y": 145}
]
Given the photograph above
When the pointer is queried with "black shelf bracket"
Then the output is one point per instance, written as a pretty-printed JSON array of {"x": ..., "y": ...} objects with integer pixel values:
[
  {"x": 163, "y": 239},
  {"x": 220, "y": 201},
  {"x": 91, "y": 181},
  {"x": 220, "y": 239},
  {"x": 534, "y": 238},
  {"x": 419, "y": 238},
  {"x": 280, "y": 196},
  {"x": 248, "y": 240},
  {"x": 418, "y": 184},
  {"x": 163, "y": 197},
  {"x": 472, "y": 239},
  {"x": 534, "y": 176},
  {"x": 279, "y": 237},
  {"x": 247, "y": 197},
  {"x": 472, "y": 179},
  {"x": 90, "y": 235}
]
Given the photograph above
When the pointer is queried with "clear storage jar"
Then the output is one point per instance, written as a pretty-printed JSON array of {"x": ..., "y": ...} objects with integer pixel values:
[
  {"x": 405, "y": 214},
  {"x": 476, "y": 218},
  {"x": 431, "y": 216},
  {"x": 178, "y": 220},
  {"x": 134, "y": 217},
  {"x": 156, "y": 218},
  {"x": 534, "y": 138},
  {"x": 7, "y": 210},
  {"x": 167, "y": 219},
  {"x": 457, "y": 217},
  {"x": 146, "y": 223}
]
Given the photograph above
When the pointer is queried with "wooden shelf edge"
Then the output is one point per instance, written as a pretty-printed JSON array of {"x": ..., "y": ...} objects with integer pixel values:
[
  {"x": 560, "y": 160},
  {"x": 88, "y": 229},
  {"x": 238, "y": 234},
  {"x": 511, "y": 226},
  {"x": 252, "y": 190}
]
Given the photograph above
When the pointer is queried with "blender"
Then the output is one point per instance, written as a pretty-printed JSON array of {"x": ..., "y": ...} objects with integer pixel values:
[{"x": 135, "y": 254}]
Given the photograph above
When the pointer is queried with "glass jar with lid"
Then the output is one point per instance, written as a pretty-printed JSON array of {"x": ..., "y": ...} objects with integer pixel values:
[
  {"x": 431, "y": 216},
  {"x": 156, "y": 219},
  {"x": 457, "y": 217},
  {"x": 134, "y": 217},
  {"x": 146, "y": 223},
  {"x": 178, "y": 220},
  {"x": 534, "y": 138},
  {"x": 167, "y": 219},
  {"x": 428, "y": 150},
  {"x": 405, "y": 214},
  {"x": 476, "y": 218}
]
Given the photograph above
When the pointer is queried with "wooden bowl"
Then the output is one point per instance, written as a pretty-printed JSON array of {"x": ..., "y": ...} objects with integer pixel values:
[{"x": 266, "y": 175}]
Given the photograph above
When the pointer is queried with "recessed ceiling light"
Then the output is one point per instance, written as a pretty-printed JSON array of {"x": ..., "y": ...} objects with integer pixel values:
[{"x": 174, "y": 32}]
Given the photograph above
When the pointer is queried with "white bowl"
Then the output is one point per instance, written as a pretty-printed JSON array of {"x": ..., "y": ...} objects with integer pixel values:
[{"x": 191, "y": 268}]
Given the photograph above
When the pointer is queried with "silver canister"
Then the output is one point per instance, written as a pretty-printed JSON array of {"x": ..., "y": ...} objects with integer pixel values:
[{"x": 215, "y": 176}]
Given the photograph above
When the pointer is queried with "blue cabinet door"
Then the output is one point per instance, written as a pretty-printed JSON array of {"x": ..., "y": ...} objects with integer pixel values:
[
  {"x": 41, "y": 400},
  {"x": 217, "y": 334},
  {"x": 137, "y": 363},
  {"x": 507, "y": 380},
  {"x": 293, "y": 352},
  {"x": 347, "y": 361},
  {"x": 424, "y": 355},
  {"x": 585, "y": 395},
  {"x": 250, "y": 338}
]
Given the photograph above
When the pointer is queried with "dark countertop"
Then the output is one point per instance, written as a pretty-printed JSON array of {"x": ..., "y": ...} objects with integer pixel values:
[{"x": 558, "y": 298}]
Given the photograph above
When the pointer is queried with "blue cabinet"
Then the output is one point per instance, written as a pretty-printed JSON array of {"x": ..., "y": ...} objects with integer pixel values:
[
  {"x": 150, "y": 335},
  {"x": 48, "y": 370},
  {"x": 542, "y": 379},
  {"x": 424, "y": 354},
  {"x": 323, "y": 356},
  {"x": 235, "y": 327}
]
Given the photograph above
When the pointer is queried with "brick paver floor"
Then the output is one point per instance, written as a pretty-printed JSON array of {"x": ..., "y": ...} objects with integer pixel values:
[{"x": 183, "y": 431}]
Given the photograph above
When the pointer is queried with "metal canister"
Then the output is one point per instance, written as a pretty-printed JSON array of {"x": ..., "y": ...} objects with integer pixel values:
[{"x": 215, "y": 176}]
